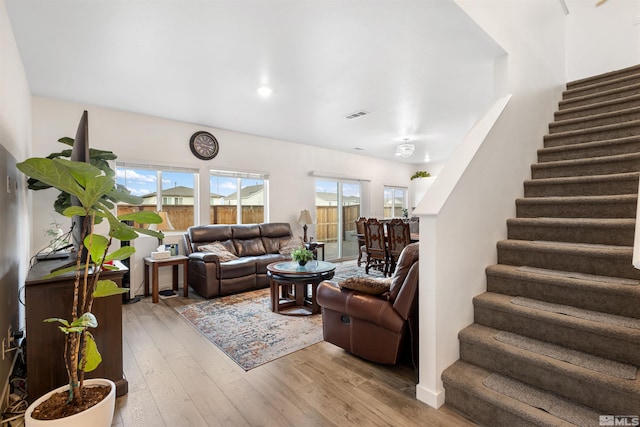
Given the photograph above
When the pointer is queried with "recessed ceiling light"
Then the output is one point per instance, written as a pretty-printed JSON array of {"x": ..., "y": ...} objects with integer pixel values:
[{"x": 265, "y": 91}]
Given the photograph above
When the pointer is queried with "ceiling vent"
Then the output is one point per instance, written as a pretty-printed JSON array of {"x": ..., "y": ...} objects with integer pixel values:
[{"x": 356, "y": 114}]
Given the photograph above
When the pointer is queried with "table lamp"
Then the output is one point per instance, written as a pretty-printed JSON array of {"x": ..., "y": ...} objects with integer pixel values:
[{"x": 305, "y": 218}]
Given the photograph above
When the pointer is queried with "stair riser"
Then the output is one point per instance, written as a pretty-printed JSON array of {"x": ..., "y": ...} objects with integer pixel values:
[
  {"x": 603, "y": 78},
  {"x": 583, "y": 151},
  {"x": 594, "y": 99},
  {"x": 481, "y": 411},
  {"x": 602, "y": 86},
  {"x": 566, "y": 292},
  {"x": 554, "y": 381},
  {"x": 630, "y": 163},
  {"x": 599, "y": 235},
  {"x": 621, "y": 117},
  {"x": 580, "y": 262},
  {"x": 590, "y": 110},
  {"x": 621, "y": 209},
  {"x": 593, "y": 188},
  {"x": 599, "y": 344},
  {"x": 600, "y": 134}
]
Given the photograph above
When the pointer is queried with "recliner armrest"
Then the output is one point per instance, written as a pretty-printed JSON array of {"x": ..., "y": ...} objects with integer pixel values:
[
  {"x": 359, "y": 305},
  {"x": 204, "y": 257}
]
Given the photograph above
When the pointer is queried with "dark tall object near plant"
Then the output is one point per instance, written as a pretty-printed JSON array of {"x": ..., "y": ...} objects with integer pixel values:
[{"x": 95, "y": 194}]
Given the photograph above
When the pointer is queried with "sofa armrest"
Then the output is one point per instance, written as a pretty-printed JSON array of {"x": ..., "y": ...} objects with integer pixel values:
[
  {"x": 204, "y": 257},
  {"x": 359, "y": 305}
]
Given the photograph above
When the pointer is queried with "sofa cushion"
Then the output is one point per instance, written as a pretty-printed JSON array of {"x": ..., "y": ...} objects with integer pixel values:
[
  {"x": 245, "y": 231},
  {"x": 367, "y": 285},
  {"x": 249, "y": 247},
  {"x": 202, "y": 234},
  {"x": 219, "y": 249},
  {"x": 237, "y": 268},
  {"x": 273, "y": 233},
  {"x": 263, "y": 260},
  {"x": 287, "y": 246}
]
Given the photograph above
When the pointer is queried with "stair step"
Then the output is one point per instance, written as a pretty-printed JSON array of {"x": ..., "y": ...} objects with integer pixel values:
[
  {"x": 601, "y": 86},
  {"x": 596, "y": 382},
  {"x": 600, "y": 260},
  {"x": 602, "y": 119},
  {"x": 594, "y": 98},
  {"x": 603, "y": 77},
  {"x": 594, "y": 185},
  {"x": 619, "y": 163},
  {"x": 612, "y": 337},
  {"x": 602, "y": 231},
  {"x": 611, "y": 105},
  {"x": 605, "y": 294},
  {"x": 466, "y": 392},
  {"x": 615, "y": 206},
  {"x": 598, "y": 133},
  {"x": 590, "y": 149}
]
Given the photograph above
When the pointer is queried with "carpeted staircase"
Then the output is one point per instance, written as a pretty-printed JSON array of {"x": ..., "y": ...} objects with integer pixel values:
[{"x": 556, "y": 338}]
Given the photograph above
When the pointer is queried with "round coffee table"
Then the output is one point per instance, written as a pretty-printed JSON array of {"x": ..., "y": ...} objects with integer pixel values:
[{"x": 293, "y": 287}]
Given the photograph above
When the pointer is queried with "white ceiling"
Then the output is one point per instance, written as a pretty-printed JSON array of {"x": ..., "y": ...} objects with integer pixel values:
[{"x": 421, "y": 68}]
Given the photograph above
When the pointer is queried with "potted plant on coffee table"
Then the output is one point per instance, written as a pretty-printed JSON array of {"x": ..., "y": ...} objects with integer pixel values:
[
  {"x": 301, "y": 255},
  {"x": 96, "y": 192}
]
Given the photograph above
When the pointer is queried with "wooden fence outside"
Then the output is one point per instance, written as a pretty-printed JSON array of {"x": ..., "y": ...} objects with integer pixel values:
[{"x": 326, "y": 223}]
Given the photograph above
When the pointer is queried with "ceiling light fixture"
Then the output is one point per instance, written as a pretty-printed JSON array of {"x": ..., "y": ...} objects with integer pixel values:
[
  {"x": 405, "y": 149},
  {"x": 265, "y": 91}
]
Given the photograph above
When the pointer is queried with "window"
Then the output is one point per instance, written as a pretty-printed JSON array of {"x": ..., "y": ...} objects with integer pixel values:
[
  {"x": 395, "y": 201},
  {"x": 162, "y": 188},
  {"x": 238, "y": 198}
]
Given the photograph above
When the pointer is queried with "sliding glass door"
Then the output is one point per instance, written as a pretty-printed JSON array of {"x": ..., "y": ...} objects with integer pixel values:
[{"x": 337, "y": 209}]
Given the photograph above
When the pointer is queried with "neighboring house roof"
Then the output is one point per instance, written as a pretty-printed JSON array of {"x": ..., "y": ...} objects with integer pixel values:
[{"x": 247, "y": 192}]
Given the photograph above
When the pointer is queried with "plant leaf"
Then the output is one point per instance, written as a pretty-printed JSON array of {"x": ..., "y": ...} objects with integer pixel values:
[
  {"x": 94, "y": 358},
  {"x": 120, "y": 254},
  {"x": 87, "y": 320},
  {"x": 96, "y": 244},
  {"x": 51, "y": 172},
  {"x": 65, "y": 322},
  {"x": 106, "y": 288},
  {"x": 142, "y": 217}
]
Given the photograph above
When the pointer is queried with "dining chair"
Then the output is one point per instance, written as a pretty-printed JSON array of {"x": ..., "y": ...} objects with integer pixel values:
[
  {"x": 375, "y": 243},
  {"x": 362, "y": 249},
  {"x": 398, "y": 237}
]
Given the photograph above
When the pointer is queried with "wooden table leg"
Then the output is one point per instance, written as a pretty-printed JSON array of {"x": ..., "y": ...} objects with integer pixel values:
[
  {"x": 185, "y": 280},
  {"x": 175, "y": 277},
  {"x": 146, "y": 279},
  {"x": 154, "y": 284}
]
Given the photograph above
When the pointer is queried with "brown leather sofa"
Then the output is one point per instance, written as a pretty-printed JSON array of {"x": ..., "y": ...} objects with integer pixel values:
[
  {"x": 376, "y": 328},
  {"x": 254, "y": 245}
]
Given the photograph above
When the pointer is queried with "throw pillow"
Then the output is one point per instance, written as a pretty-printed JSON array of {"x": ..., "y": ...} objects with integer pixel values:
[
  {"x": 367, "y": 285},
  {"x": 218, "y": 249},
  {"x": 287, "y": 246}
]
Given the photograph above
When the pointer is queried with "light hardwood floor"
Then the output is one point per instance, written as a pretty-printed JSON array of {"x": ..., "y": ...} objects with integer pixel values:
[{"x": 178, "y": 378}]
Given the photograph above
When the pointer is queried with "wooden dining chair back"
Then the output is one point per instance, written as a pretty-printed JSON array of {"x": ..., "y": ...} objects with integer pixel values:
[
  {"x": 362, "y": 249},
  {"x": 398, "y": 237},
  {"x": 375, "y": 243}
]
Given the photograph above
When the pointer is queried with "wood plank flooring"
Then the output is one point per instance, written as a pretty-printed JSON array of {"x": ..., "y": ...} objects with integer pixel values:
[{"x": 178, "y": 378}]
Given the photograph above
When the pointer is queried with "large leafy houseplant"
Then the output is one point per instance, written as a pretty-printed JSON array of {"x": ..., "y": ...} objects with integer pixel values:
[{"x": 96, "y": 192}]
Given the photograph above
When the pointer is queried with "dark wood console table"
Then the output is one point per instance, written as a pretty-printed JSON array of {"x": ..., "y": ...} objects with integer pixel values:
[{"x": 46, "y": 298}]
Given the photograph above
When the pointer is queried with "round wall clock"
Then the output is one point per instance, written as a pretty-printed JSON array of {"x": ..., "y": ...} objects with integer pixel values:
[{"x": 204, "y": 145}]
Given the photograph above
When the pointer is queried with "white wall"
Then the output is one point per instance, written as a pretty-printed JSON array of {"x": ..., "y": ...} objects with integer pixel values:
[
  {"x": 140, "y": 138},
  {"x": 602, "y": 39},
  {"x": 465, "y": 223},
  {"x": 15, "y": 137}
]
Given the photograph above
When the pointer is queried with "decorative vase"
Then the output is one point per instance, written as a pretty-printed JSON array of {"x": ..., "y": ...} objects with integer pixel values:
[
  {"x": 99, "y": 415},
  {"x": 302, "y": 263}
]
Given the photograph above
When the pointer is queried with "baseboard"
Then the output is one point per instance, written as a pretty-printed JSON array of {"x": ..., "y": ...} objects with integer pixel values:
[{"x": 435, "y": 399}]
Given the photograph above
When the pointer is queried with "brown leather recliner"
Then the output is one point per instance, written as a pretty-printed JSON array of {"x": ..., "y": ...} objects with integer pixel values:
[{"x": 376, "y": 328}]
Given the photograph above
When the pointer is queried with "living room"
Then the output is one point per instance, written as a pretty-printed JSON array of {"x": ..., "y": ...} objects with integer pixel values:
[{"x": 31, "y": 124}]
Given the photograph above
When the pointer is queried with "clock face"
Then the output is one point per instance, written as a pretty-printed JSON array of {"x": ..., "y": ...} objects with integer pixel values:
[{"x": 204, "y": 145}]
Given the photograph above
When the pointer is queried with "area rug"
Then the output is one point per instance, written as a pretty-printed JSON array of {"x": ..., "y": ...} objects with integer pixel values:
[{"x": 245, "y": 329}]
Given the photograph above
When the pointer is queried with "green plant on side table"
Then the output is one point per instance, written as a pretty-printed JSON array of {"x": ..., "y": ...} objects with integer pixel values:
[
  {"x": 301, "y": 255},
  {"x": 97, "y": 194}
]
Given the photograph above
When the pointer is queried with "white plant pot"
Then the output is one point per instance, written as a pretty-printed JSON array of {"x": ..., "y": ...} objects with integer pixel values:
[{"x": 99, "y": 415}]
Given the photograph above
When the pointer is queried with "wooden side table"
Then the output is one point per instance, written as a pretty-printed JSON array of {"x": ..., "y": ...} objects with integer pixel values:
[{"x": 174, "y": 261}]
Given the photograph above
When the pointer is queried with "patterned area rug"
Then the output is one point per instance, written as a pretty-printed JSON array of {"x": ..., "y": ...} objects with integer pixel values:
[{"x": 244, "y": 327}]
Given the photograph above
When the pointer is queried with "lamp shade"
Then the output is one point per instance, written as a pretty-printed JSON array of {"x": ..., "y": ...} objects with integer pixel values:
[{"x": 305, "y": 217}]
